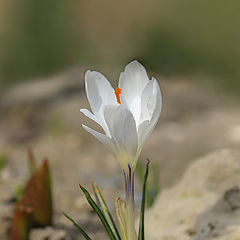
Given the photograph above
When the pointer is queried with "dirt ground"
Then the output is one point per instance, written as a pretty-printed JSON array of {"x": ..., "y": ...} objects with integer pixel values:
[{"x": 45, "y": 116}]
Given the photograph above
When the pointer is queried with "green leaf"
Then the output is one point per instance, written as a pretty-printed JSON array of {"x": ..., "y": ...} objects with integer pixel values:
[
  {"x": 99, "y": 213},
  {"x": 141, "y": 223},
  {"x": 105, "y": 210},
  {"x": 155, "y": 188},
  {"x": 152, "y": 189},
  {"x": 140, "y": 171},
  {"x": 77, "y": 226}
]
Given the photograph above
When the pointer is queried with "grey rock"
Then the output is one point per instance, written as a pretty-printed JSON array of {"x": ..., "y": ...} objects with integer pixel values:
[
  {"x": 44, "y": 90},
  {"x": 204, "y": 205},
  {"x": 48, "y": 233},
  {"x": 217, "y": 219}
]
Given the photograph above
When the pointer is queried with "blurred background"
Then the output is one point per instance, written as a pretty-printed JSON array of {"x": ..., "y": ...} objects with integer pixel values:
[
  {"x": 191, "y": 47},
  {"x": 38, "y": 39}
]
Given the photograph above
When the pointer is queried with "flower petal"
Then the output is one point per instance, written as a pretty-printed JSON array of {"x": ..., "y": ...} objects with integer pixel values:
[
  {"x": 143, "y": 133},
  {"x": 101, "y": 137},
  {"x": 148, "y": 125},
  {"x": 99, "y": 93},
  {"x": 122, "y": 128},
  {"x": 132, "y": 82},
  {"x": 148, "y": 100},
  {"x": 99, "y": 90},
  {"x": 158, "y": 105},
  {"x": 90, "y": 115}
]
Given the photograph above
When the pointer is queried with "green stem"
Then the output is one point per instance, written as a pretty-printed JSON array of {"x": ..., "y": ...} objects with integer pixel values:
[
  {"x": 129, "y": 203},
  {"x": 130, "y": 220}
]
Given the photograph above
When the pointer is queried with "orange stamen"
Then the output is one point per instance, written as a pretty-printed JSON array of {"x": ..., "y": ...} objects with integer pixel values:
[{"x": 117, "y": 92}]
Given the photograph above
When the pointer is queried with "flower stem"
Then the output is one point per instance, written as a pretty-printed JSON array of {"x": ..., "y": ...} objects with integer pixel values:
[{"x": 129, "y": 203}]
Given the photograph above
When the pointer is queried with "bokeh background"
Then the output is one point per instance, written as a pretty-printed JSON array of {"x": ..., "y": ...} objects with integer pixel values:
[
  {"x": 191, "y": 47},
  {"x": 171, "y": 37}
]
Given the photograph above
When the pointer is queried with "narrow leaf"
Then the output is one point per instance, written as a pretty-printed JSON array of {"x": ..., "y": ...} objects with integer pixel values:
[
  {"x": 140, "y": 171},
  {"x": 99, "y": 213},
  {"x": 31, "y": 162},
  {"x": 141, "y": 223},
  {"x": 105, "y": 210},
  {"x": 155, "y": 188},
  {"x": 38, "y": 195},
  {"x": 77, "y": 227},
  {"x": 21, "y": 223}
]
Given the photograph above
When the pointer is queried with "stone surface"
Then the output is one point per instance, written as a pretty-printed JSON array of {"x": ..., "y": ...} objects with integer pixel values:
[
  {"x": 6, "y": 219},
  {"x": 204, "y": 205},
  {"x": 44, "y": 115},
  {"x": 48, "y": 233}
]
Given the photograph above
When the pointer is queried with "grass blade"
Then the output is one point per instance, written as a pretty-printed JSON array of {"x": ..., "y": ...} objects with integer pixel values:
[
  {"x": 99, "y": 213},
  {"x": 105, "y": 210},
  {"x": 78, "y": 227},
  {"x": 141, "y": 223},
  {"x": 152, "y": 189},
  {"x": 155, "y": 188}
]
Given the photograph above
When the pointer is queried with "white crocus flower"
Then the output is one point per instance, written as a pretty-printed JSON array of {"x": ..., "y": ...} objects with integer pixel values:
[{"x": 127, "y": 115}]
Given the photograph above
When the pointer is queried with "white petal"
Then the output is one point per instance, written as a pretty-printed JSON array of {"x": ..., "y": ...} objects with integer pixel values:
[
  {"x": 99, "y": 120},
  {"x": 132, "y": 82},
  {"x": 99, "y": 90},
  {"x": 90, "y": 115},
  {"x": 143, "y": 133},
  {"x": 148, "y": 125},
  {"x": 99, "y": 93},
  {"x": 122, "y": 128},
  {"x": 101, "y": 137},
  {"x": 158, "y": 105},
  {"x": 149, "y": 100}
]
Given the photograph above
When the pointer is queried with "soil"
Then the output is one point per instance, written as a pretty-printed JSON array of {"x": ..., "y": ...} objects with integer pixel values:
[{"x": 44, "y": 116}]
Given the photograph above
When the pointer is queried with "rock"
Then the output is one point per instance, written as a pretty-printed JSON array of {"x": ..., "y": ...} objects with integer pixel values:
[
  {"x": 204, "y": 205},
  {"x": 234, "y": 133},
  {"x": 44, "y": 90},
  {"x": 48, "y": 233},
  {"x": 6, "y": 219}
]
